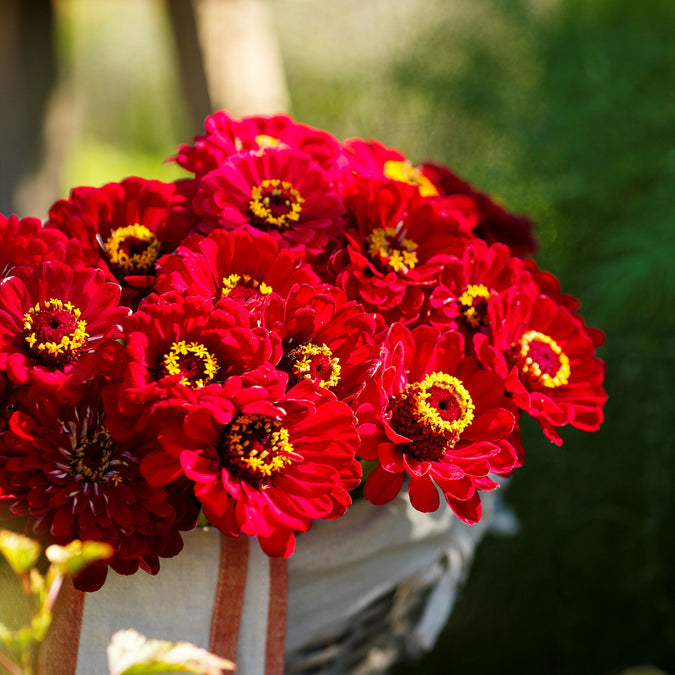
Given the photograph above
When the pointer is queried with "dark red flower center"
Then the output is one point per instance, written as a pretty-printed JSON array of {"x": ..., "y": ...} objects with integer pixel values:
[
  {"x": 432, "y": 414},
  {"x": 93, "y": 459},
  {"x": 388, "y": 247},
  {"x": 312, "y": 362},
  {"x": 541, "y": 360},
  {"x": 255, "y": 448},
  {"x": 54, "y": 332},
  {"x": 193, "y": 361},
  {"x": 275, "y": 204},
  {"x": 132, "y": 250},
  {"x": 473, "y": 305}
]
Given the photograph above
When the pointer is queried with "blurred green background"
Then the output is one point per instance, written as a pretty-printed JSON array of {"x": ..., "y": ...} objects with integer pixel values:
[{"x": 563, "y": 109}]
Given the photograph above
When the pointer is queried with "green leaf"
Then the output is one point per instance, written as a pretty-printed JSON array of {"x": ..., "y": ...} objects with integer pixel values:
[
  {"x": 130, "y": 653},
  {"x": 74, "y": 557}
]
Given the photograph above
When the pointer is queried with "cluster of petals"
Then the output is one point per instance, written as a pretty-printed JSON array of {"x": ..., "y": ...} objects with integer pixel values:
[
  {"x": 546, "y": 358},
  {"x": 393, "y": 247},
  {"x": 235, "y": 265},
  {"x": 242, "y": 341},
  {"x": 125, "y": 227},
  {"x": 225, "y": 136},
  {"x": 448, "y": 424},
  {"x": 280, "y": 191},
  {"x": 64, "y": 470},
  {"x": 264, "y": 461}
]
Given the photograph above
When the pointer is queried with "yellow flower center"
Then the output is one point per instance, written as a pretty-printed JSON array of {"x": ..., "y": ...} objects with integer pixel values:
[
  {"x": 473, "y": 304},
  {"x": 193, "y": 361},
  {"x": 405, "y": 172},
  {"x": 389, "y": 247},
  {"x": 255, "y": 448},
  {"x": 313, "y": 361},
  {"x": 432, "y": 414},
  {"x": 275, "y": 203},
  {"x": 541, "y": 360},
  {"x": 132, "y": 249},
  {"x": 264, "y": 141},
  {"x": 54, "y": 332}
]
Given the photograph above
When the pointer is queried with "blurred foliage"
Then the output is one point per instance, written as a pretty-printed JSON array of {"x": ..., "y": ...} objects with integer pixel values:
[{"x": 564, "y": 109}]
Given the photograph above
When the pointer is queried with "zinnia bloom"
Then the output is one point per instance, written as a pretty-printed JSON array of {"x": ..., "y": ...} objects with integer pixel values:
[
  {"x": 546, "y": 359},
  {"x": 467, "y": 284},
  {"x": 51, "y": 319},
  {"x": 447, "y": 425},
  {"x": 25, "y": 242},
  {"x": 173, "y": 348},
  {"x": 235, "y": 265},
  {"x": 125, "y": 227},
  {"x": 65, "y": 471},
  {"x": 264, "y": 462},
  {"x": 281, "y": 192},
  {"x": 395, "y": 244},
  {"x": 226, "y": 136},
  {"x": 325, "y": 337}
]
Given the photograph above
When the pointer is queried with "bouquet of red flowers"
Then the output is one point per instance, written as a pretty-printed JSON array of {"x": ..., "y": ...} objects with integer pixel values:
[{"x": 250, "y": 345}]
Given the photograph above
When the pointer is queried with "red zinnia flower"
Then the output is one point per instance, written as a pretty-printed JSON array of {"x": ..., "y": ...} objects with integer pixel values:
[
  {"x": 325, "y": 337},
  {"x": 448, "y": 424},
  {"x": 26, "y": 242},
  {"x": 64, "y": 470},
  {"x": 264, "y": 462},
  {"x": 281, "y": 192},
  {"x": 51, "y": 319},
  {"x": 396, "y": 242},
  {"x": 173, "y": 348},
  {"x": 125, "y": 227},
  {"x": 226, "y": 136},
  {"x": 466, "y": 285},
  {"x": 234, "y": 265},
  {"x": 546, "y": 359}
]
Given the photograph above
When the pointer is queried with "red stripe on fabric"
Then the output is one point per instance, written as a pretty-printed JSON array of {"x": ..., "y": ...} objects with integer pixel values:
[
  {"x": 276, "y": 617},
  {"x": 58, "y": 652},
  {"x": 229, "y": 599}
]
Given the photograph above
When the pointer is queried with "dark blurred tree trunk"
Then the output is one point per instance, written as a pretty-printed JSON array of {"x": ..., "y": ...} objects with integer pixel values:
[
  {"x": 27, "y": 78},
  {"x": 229, "y": 57}
]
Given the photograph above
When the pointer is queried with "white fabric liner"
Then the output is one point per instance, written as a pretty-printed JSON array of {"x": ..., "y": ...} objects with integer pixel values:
[{"x": 339, "y": 567}]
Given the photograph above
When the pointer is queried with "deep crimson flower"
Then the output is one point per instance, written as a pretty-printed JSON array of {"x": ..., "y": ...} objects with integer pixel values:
[
  {"x": 226, "y": 136},
  {"x": 547, "y": 361},
  {"x": 326, "y": 338},
  {"x": 25, "y": 242},
  {"x": 73, "y": 479},
  {"x": 281, "y": 192},
  {"x": 395, "y": 244},
  {"x": 495, "y": 223},
  {"x": 51, "y": 319},
  {"x": 264, "y": 462},
  {"x": 467, "y": 284},
  {"x": 125, "y": 227},
  {"x": 173, "y": 348},
  {"x": 448, "y": 424},
  {"x": 234, "y": 265}
]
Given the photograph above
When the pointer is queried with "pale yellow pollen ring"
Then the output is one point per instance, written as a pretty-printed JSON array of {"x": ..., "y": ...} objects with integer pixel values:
[
  {"x": 405, "y": 172},
  {"x": 72, "y": 342},
  {"x": 306, "y": 355},
  {"x": 174, "y": 363},
  {"x": 467, "y": 299},
  {"x": 387, "y": 244},
  {"x": 133, "y": 262}
]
